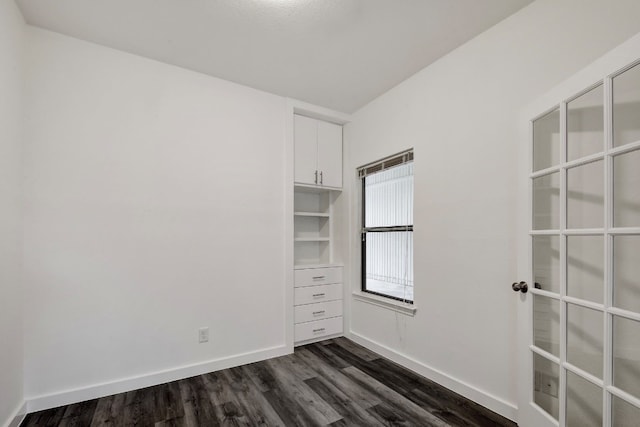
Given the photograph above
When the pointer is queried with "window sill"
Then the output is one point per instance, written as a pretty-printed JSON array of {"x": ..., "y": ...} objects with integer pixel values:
[{"x": 399, "y": 306}]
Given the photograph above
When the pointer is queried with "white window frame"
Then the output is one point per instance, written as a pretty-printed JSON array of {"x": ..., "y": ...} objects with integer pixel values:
[{"x": 368, "y": 296}]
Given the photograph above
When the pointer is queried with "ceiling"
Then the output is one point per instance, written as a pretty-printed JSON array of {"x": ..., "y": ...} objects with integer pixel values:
[{"x": 339, "y": 54}]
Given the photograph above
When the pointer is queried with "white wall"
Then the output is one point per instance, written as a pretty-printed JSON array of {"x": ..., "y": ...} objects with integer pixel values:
[
  {"x": 11, "y": 349},
  {"x": 154, "y": 205},
  {"x": 461, "y": 116}
]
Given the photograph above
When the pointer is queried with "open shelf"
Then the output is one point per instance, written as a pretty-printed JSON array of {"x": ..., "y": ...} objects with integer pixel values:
[
  {"x": 305, "y": 266},
  {"x": 309, "y": 188},
  {"x": 312, "y": 202},
  {"x": 313, "y": 226},
  {"x": 312, "y": 214},
  {"x": 310, "y": 251}
]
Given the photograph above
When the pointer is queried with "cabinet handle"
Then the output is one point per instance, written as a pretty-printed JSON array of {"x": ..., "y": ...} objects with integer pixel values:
[
  {"x": 320, "y": 177},
  {"x": 316, "y": 313},
  {"x": 318, "y": 277},
  {"x": 318, "y": 295},
  {"x": 316, "y": 181},
  {"x": 318, "y": 330}
]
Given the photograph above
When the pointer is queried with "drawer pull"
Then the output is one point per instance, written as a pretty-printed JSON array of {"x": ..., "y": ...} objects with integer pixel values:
[
  {"x": 318, "y": 277},
  {"x": 316, "y": 313},
  {"x": 318, "y": 295},
  {"x": 318, "y": 330}
]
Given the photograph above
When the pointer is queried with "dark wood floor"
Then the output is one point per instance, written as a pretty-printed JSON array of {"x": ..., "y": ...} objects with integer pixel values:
[{"x": 336, "y": 382}]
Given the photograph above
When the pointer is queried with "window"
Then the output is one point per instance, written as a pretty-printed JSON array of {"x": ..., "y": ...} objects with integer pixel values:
[{"x": 387, "y": 227}]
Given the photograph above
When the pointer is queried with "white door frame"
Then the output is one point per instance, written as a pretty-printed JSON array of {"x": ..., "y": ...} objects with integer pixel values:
[{"x": 615, "y": 60}]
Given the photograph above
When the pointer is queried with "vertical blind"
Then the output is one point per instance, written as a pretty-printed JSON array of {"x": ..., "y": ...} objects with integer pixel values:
[
  {"x": 389, "y": 197},
  {"x": 388, "y": 227}
]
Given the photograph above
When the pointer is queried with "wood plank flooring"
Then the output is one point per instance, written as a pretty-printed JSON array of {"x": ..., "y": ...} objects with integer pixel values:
[{"x": 332, "y": 383}]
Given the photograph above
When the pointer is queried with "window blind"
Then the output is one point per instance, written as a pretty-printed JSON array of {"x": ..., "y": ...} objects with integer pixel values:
[
  {"x": 387, "y": 227},
  {"x": 386, "y": 163}
]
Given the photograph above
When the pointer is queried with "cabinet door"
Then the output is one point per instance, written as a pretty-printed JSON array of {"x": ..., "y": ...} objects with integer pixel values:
[
  {"x": 330, "y": 154},
  {"x": 305, "y": 149}
]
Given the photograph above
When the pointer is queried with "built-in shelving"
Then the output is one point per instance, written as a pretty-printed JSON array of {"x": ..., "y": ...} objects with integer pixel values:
[
  {"x": 306, "y": 266},
  {"x": 313, "y": 225},
  {"x": 312, "y": 214},
  {"x": 318, "y": 290}
]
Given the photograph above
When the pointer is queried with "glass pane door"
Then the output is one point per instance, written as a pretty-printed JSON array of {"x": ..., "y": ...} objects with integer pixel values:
[{"x": 585, "y": 256}]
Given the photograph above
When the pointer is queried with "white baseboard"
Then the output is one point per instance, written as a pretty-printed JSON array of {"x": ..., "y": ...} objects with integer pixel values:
[
  {"x": 485, "y": 399},
  {"x": 17, "y": 416},
  {"x": 53, "y": 400}
]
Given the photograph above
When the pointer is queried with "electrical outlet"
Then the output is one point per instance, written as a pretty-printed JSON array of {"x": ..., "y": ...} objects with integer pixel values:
[
  {"x": 203, "y": 335},
  {"x": 546, "y": 384}
]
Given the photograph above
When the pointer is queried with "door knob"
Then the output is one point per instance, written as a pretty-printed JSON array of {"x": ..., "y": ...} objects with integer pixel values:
[{"x": 522, "y": 287}]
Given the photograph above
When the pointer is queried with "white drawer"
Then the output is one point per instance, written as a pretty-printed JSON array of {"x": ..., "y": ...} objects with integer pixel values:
[
  {"x": 318, "y": 328},
  {"x": 317, "y": 276},
  {"x": 321, "y": 293},
  {"x": 321, "y": 310}
]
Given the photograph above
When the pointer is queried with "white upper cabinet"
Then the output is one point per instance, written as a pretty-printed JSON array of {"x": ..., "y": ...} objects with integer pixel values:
[
  {"x": 305, "y": 149},
  {"x": 330, "y": 154},
  {"x": 318, "y": 152}
]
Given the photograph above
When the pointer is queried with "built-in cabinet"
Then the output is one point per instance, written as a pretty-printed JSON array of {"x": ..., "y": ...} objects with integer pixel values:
[
  {"x": 318, "y": 152},
  {"x": 318, "y": 303},
  {"x": 318, "y": 280}
]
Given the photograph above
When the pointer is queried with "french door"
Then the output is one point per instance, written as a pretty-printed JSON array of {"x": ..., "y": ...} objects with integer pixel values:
[{"x": 579, "y": 308}]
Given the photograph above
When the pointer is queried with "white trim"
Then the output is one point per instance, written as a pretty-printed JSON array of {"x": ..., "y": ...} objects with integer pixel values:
[
  {"x": 583, "y": 232},
  {"x": 630, "y": 315},
  {"x": 544, "y": 232},
  {"x": 66, "y": 397},
  {"x": 623, "y": 149},
  {"x": 544, "y": 293},
  {"x": 544, "y": 413},
  {"x": 595, "y": 85},
  {"x": 320, "y": 113},
  {"x": 607, "y": 372},
  {"x": 632, "y": 400},
  {"x": 494, "y": 403},
  {"x": 584, "y": 374},
  {"x": 608, "y": 324},
  {"x": 545, "y": 172},
  {"x": 562, "y": 395},
  {"x": 584, "y": 303},
  {"x": 388, "y": 303},
  {"x": 592, "y": 158},
  {"x": 623, "y": 231},
  {"x": 545, "y": 354},
  {"x": 289, "y": 191},
  {"x": 17, "y": 416}
]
